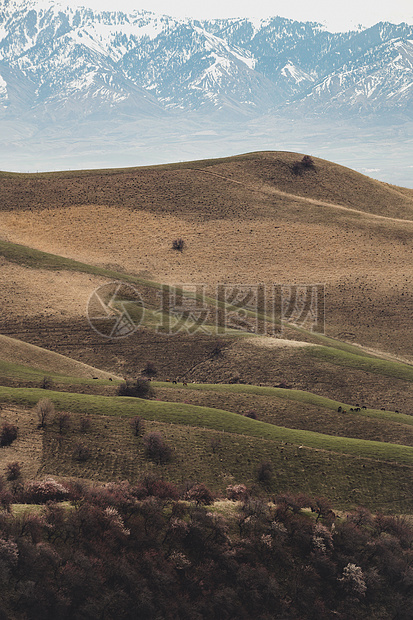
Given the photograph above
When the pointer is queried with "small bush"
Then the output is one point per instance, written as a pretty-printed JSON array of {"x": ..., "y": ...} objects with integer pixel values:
[
  {"x": 44, "y": 409},
  {"x": 150, "y": 370},
  {"x": 64, "y": 422},
  {"x": 178, "y": 244},
  {"x": 141, "y": 388},
  {"x": 138, "y": 426},
  {"x": 13, "y": 471},
  {"x": 265, "y": 472},
  {"x": 251, "y": 414},
  {"x": 237, "y": 492},
  {"x": 8, "y": 434},
  {"x": 156, "y": 449},
  {"x": 84, "y": 424},
  {"x": 200, "y": 494},
  {"x": 6, "y": 500},
  {"x": 160, "y": 488},
  {"x": 81, "y": 453},
  {"x": 46, "y": 383},
  {"x": 218, "y": 348}
]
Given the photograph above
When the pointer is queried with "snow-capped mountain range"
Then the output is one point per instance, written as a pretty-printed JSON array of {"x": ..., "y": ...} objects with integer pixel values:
[{"x": 63, "y": 63}]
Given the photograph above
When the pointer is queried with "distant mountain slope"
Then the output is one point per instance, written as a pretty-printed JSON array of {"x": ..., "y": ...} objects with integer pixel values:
[{"x": 59, "y": 63}]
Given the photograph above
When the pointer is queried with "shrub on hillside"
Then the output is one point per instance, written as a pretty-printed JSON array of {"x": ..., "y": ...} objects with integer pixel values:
[
  {"x": 81, "y": 453},
  {"x": 150, "y": 370},
  {"x": 288, "y": 504},
  {"x": 44, "y": 409},
  {"x": 218, "y": 348},
  {"x": 237, "y": 492},
  {"x": 42, "y": 491},
  {"x": 159, "y": 488},
  {"x": 13, "y": 471},
  {"x": 265, "y": 472},
  {"x": 307, "y": 163},
  {"x": 138, "y": 426},
  {"x": 200, "y": 494},
  {"x": 178, "y": 244},
  {"x": 156, "y": 449},
  {"x": 6, "y": 499},
  {"x": 8, "y": 433},
  {"x": 84, "y": 424},
  {"x": 46, "y": 383},
  {"x": 216, "y": 443},
  {"x": 64, "y": 422},
  {"x": 140, "y": 388}
]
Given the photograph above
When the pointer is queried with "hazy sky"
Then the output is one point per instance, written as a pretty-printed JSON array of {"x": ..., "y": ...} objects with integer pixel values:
[{"x": 336, "y": 14}]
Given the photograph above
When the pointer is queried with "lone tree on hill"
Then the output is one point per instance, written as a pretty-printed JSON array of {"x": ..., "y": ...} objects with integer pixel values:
[
  {"x": 138, "y": 425},
  {"x": 44, "y": 409},
  {"x": 307, "y": 163}
]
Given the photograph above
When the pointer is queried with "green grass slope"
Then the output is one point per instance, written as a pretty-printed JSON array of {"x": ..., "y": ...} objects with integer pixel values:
[{"x": 204, "y": 417}]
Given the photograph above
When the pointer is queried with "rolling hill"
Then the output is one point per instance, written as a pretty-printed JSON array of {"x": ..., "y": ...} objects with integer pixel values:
[{"x": 260, "y": 218}]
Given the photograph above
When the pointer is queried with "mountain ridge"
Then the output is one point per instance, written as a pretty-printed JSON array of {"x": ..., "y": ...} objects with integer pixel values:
[{"x": 135, "y": 62}]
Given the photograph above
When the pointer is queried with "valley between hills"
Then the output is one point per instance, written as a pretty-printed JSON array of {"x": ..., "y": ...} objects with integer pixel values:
[{"x": 259, "y": 218}]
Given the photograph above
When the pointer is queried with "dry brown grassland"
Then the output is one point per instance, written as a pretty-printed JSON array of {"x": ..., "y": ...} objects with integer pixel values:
[{"x": 248, "y": 219}]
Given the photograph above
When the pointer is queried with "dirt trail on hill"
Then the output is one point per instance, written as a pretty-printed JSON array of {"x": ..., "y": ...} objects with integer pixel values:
[{"x": 278, "y": 192}]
